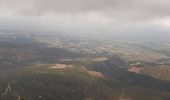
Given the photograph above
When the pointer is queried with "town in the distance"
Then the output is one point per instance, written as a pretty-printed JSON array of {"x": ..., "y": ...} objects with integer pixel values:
[{"x": 37, "y": 65}]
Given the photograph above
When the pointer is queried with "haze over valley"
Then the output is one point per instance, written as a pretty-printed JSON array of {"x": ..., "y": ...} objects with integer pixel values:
[{"x": 84, "y": 50}]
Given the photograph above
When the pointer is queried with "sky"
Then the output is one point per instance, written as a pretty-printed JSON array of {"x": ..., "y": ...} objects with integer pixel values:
[{"x": 87, "y": 16}]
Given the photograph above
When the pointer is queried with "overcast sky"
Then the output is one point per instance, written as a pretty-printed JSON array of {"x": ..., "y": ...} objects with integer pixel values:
[{"x": 87, "y": 16}]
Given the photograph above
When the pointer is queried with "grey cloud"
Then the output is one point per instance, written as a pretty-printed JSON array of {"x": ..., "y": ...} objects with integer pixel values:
[
  {"x": 148, "y": 7},
  {"x": 87, "y": 15}
]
